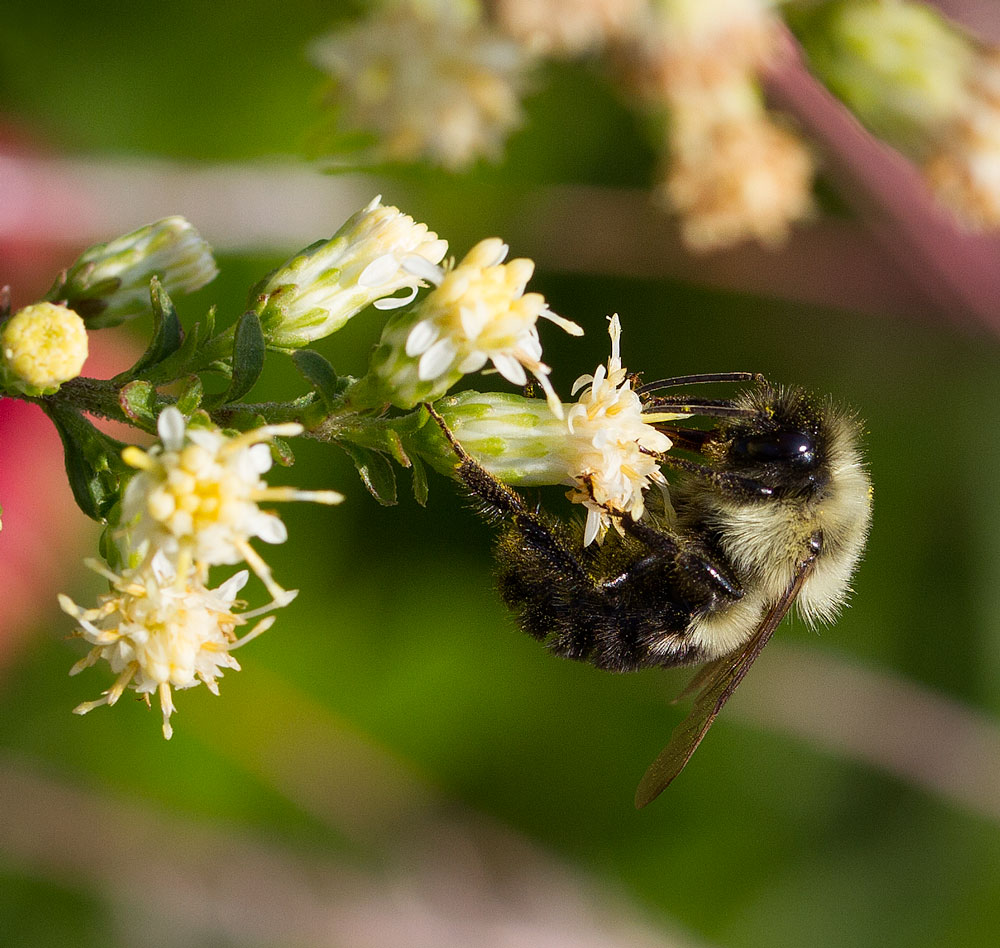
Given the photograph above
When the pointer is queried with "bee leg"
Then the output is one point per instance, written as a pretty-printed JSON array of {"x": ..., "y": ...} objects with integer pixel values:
[
  {"x": 734, "y": 485},
  {"x": 496, "y": 499},
  {"x": 697, "y": 563}
]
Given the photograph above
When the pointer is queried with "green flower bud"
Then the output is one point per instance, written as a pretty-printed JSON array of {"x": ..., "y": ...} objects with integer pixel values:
[
  {"x": 899, "y": 66},
  {"x": 516, "y": 439},
  {"x": 318, "y": 290},
  {"x": 110, "y": 282}
]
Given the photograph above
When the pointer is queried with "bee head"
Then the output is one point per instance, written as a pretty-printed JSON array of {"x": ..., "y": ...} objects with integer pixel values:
[{"x": 779, "y": 442}]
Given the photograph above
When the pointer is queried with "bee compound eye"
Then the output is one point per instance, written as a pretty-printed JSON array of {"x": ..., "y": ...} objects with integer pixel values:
[{"x": 788, "y": 446}]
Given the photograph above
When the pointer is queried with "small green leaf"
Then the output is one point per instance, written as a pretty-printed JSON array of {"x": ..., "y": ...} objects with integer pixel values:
[
  {"x": 208, "y": 327},
  {"x": 189, "y": 400},
  {"x": 138, "y": 401},
  {"x": 281, "y": 451},
  {"x": 376, "y": 472},
  {"x": 93, "y": 462},
  {"x": 395, "y": 445},
  {"x": 419, "y": 480},
  {"x": 248, "y": 356},
  {"x": 320, "y": 375},
  {"x": 168, "y": 335}
]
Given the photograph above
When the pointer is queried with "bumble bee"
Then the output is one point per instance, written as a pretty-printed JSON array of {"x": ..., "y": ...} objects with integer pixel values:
[{"x": 774, "y": 510}]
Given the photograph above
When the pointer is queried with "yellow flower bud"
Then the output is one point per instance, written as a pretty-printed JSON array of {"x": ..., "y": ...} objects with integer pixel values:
[{"x": 42, "y": 346}]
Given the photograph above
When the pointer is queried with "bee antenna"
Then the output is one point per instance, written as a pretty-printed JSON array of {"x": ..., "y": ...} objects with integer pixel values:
[
  {"x": 678, "y": 380},
  {"x": 713, "y": 408}
]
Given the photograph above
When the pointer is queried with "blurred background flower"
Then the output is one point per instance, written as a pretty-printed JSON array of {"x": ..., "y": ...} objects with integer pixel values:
[{"x": 399, "y": 767}]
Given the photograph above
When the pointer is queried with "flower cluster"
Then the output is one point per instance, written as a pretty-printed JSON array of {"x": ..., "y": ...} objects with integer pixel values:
[
  {"x": 196, "y": 500},
  {"x": 440, "y": 81},
  {"x": 614, "y": 450},
  {"x": 193, "y": 504},
  {"x": 429, "y": 78}
]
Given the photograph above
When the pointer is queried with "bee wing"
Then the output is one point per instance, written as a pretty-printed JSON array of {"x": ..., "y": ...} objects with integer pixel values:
[{"x": 715, "y": 684}]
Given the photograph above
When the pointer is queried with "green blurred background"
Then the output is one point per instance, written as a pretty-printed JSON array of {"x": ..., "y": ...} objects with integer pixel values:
[{"x": 393, "y": 749}]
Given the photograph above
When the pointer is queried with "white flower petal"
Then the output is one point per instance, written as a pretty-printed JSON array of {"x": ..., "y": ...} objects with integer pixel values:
[
  {"x": 422, "y": 337},
  {"x": 396, "y": 302},
  {"x": 436, "y": 360},
  {"x": 170, "y": 427},
  {"x": 379, "y": 272}
]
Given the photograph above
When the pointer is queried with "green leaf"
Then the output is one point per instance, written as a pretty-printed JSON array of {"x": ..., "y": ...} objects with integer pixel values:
[
  {"x": 189, "y": 400},
  {"x": 419, "y": 480},
  {"x": 138, "y": 401},
  {"x": 320, "y": 375},
  {"x": 281, "y": 451},
  {"x": 93, "y": 462},
  {"x": 376, "y": 472},
  {"x": 168, "y": 335},
  {"x": 248, "y": 356}
]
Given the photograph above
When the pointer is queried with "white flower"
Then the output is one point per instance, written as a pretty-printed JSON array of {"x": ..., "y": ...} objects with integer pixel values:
[
  {"x": 479, "y": 313},
  {"x": 611, "y": 451},
  {"x": 197, "y": 495},
  {"x": 318, "y": 290},
  {"x": 161, "y": 630},
  {"x": 429, "y": 79},
  {"x": 604, "y": 447}
]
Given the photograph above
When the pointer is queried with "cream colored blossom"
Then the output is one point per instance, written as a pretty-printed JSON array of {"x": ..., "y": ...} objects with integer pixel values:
[
  {"x": 602, "y": 446},
  {"x": 730, "y": 170},
  {"x": 477, "y": 313},
  {"x": 197, "y": 496},
  {"x": 42, "y": 346},
  {"x": 318, "y": 290},
  {"x": 611, "y": 449},
  {"x": 963, "y": 168},
  {"x": 735, "y": 175},
  {"x": 429, "y": 79},
  {"x": 480, "y": 313},
  {"x": 160, "y": 630},
  {"x": 569, "y": 27}
]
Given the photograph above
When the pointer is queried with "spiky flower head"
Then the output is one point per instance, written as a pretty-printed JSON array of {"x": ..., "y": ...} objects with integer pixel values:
[
  {"x": 109, "y": 283},
  {"x": 477, "y": 313},
  {"x": 162, "y": 630},
  {"x": 611, "y": 449},
  {"x": 603, "y": 446},
  {"x": 41, "y": 346},
  {"x": 429, "y": 79},
  {"x": 317, "y": 291},
  {"x": 197, "y": 496}
]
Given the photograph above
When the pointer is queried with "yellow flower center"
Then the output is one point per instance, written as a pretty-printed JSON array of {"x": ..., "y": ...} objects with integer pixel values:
[{"x": 43, "y": 346}]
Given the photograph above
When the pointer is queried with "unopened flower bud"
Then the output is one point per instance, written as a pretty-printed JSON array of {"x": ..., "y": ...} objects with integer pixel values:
[
  {"x": 110, "y": 282},
  {"x": 41, "y": 346},
  {"x": 515, "y": 438},
  {"x": 899, "y": 66},
  {"x": 318, "y": 290}
]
